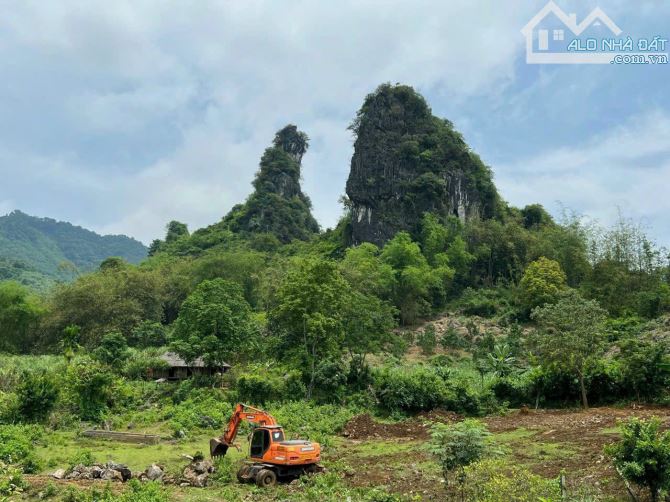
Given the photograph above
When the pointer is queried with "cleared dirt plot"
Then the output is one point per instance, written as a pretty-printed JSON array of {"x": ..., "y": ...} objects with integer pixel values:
[{"x": 548, "y": 442}]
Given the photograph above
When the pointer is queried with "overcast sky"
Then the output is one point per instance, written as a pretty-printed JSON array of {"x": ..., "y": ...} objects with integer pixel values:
[{"x": 122, "y": 115}]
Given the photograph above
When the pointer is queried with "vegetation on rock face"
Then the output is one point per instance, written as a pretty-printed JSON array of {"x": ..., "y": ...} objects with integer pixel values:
[
  {"x": 408, "y": 162},
  {"x": 277, "y": 206}
]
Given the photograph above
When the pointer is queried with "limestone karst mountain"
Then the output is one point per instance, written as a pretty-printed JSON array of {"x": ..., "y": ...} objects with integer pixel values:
[{"x": 407, "y": 162}]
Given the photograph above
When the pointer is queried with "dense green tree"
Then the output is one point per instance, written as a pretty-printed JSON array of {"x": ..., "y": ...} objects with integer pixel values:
[
  {"x": 363, "y": 267},
  {"x": 542, "y": 282},
  {"x": 113, "y": 349},
  {"x": 20, "y": 313},
  {"x": 90, "y": 386},
  {"x": 500, "y": 250},
  {"x": 111, "y": 300},
  {"x": 644, "y": 365},
  {"x": 148, "y": 334},
  {"x": 570, "y": 335},
  {"x": 69, "y": 342},
  {"x": 415, "y": 280},
  {"x": 309, "y": 314},
  {"x": 435, "y": 237},
  {"x": 534, "y": 215},
  {"x": 215, "y": 323},
  {"x": 368, "y": 324},
  {"x": 113, "y": 263},
  {"x": 36, "y": 393},
  {"x": 175, "y": 230},
  {"x": 240, "y": 266}
]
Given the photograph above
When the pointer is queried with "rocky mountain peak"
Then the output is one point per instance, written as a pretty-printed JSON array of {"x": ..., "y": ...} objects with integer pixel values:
[{"x": 407, "y": 162}]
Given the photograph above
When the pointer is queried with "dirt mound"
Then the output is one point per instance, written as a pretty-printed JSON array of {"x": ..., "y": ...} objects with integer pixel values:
[{"x": 366, "y": 427}]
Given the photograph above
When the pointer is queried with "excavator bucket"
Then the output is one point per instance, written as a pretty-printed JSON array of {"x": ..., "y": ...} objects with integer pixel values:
[{"x": 217, "y": 448}]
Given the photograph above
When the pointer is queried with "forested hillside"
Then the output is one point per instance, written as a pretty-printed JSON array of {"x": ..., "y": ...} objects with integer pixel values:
[
  {"x": 39, "y": 251},
  {"x": 458, "y": 319}
]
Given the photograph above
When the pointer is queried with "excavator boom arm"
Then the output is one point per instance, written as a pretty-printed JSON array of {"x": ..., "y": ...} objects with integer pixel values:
[{"x": 219, "y": 446}]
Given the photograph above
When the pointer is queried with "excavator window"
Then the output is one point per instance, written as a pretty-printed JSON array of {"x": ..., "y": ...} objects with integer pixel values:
[
  {"x": 277, "y": 436},
  {"x": 260, "y": 442}
]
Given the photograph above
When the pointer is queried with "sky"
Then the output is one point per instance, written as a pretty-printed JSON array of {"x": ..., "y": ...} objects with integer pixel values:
[{"x": 121, "y": 116}]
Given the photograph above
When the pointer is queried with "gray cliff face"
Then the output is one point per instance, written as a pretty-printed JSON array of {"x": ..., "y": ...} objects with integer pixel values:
[{"x": 407, "y": 162}]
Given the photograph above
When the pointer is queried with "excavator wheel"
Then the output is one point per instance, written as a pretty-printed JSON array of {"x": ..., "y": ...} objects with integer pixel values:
[
  {"x": 243, "y": 474},
  {"x": 266, "y": 478}
]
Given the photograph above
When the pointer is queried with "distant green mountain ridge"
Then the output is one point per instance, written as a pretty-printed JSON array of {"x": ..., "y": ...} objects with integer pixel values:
[{"x": 41, "y": 251}]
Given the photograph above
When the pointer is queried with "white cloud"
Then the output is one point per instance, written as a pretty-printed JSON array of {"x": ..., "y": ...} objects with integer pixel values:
[
  {"x": 178, "y": 100},
  {"x": 627, "y": 167},
  {"x": 224, "y": 76}
]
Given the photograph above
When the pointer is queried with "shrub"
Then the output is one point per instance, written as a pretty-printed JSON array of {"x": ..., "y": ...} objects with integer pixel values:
[
  {"x": 225, "y": 470},
  {"x": 83, "y": 457},
  {"x": 16, "y": 446},
  {"x": 451, "y": 339},
  {"x": 135, "y": 492},
  {"x": 90, "y": 387},
  {"x": 260, "y": 385},
  {"x": 36, "y": 394},
  {"x": 410, "y": 389},
  {"x": 203, "y": 409},
  {"x": 11, "y": 480},
  {"x": 643, "y": 455},
  {"x": 312, "y": 421},
  {"x": 330, "y": 379},
  {"x": 644, "y": 366},
  {"x": 482, "y": 302},
  {"x": 427, "y": 340},
  {"x": 458, "y": 445},
  {"x": 492, "y": 480},
  {"x": 258, "y": 389},
  {"x": 139, "y": 363},
  {"x": 513, "y": 390},
  {"x": 113, "y": 349}
]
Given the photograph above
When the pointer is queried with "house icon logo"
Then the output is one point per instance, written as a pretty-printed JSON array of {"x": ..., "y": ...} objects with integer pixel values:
[{"x": 549, "y": 32}]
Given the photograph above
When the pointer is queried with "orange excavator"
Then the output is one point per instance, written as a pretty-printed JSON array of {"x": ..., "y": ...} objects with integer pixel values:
[{"x": 271, "y": 456}]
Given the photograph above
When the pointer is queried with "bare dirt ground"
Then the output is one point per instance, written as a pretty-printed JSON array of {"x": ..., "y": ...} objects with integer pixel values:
[
  {"x": 548, "y": 442},
  {"x": 366, "y": 427}
]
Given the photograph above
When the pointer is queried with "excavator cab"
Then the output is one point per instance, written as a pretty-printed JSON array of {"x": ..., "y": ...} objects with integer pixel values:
[{"x": 262, "y": 438}]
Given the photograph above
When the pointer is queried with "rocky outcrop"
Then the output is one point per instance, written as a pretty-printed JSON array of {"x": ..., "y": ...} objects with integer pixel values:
[
  {"x": 408, "y": 162},
  {"x": 277, "y": 206}
]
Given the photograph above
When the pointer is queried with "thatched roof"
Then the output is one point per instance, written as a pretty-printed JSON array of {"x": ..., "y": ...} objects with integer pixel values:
[{"x": 174, "y": 361}]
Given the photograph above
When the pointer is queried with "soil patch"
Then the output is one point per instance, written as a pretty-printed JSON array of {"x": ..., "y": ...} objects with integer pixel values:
[{"x": 366, "y": 427}]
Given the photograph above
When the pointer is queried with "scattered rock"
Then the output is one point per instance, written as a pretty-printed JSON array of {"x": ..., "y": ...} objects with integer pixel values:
[
  {"x": 96, "y": 471},
  {"x": 111, "y": 475},
  {"x": 59, "y": 474},
  {"x": 110, "y": 471},
  {"x": 154, "y": 472},
  {"x": 197, "y": 473},
  {"x": 122, "y": 469}
]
